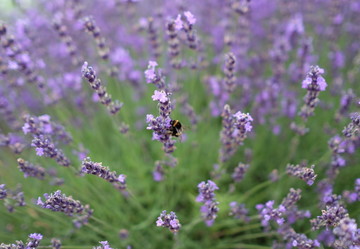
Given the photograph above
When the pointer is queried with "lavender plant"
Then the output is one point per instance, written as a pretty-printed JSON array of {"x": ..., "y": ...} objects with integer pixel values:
[{"x": 233, "y": 84}]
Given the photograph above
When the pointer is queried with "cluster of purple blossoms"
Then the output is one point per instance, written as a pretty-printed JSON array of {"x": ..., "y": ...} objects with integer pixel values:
[
  {"x": 313, "y": 83},
  {"x": 169, "y": 221},
  {"x": 3, "y": 192},
  {"x": 154, "y": 77},
  {"x": 104, "y": 245},
  {"x": 33, "y": 242},
  {"x": 94, "y": 168},
  {"x": 235, "y": 129},
  {"x": 160, "y": 125},
  {"x": 14, "y": 142},
  {"x": 20, "y": 57},
  {"x": 347, "y": 98},
  {"x": 268, "y": 212},
  {"x": 297, "y": 240},
  {"x": 89, "y": 73},
  {"x": 187, "y": 26},
  {"x": 30, "y": 169},
  {"x": 347, "y": 233},
  {"x": 306, "y": 174},
  {"x": 159, "y": 171},
  {"x": 352, "y": 130},
  {"x": 59, "y": 202},
  {"x": 331, "y": 216},
  {"x": 239, "y": 211},
  {"x": 207, "y": 196},
  {"x": 12, "y": 198},
  {"x": 352, "y": 196},
  {"x": 240, "y": 171},
  {"x": 43, "y": 132},
  {"x": 338, "y": 146}
]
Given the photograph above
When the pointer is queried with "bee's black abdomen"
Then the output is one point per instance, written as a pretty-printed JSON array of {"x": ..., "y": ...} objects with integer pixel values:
[{"x": 176, "y": 128}]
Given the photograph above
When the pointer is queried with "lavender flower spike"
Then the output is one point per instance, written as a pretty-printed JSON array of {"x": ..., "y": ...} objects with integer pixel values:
[
  {"x": 161, "y": 125},
  {"x": 235, "y": 129},
  {"x": 95, "y": 83},
  {"x": 34, "y": 240},
  {"x": 229, "y": 72},
  {"x": 207, "y": 196},
  {"x": 31, "y": 170},
  {"x": 59, "y": 202},
  {"x": 306, "y": 174},
  {"x": 93, "y": 168},
  {"x": 239, "y": 172},
  {"x": 239, "y": 211},
  {"x": 169, "y": 221},
  {"x": 154, "y": 77},
  {"x": 314, "y": 83},
  {"x": 348, "y": 234},
  {"x": 3, "y": 192}
]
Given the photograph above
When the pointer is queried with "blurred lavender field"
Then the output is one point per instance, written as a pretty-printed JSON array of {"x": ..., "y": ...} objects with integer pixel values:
[{"x": 179, "y": 124}]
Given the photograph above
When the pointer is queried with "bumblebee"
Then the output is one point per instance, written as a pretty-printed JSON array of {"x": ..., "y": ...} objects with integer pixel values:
[{"x": 176, "y": 128}]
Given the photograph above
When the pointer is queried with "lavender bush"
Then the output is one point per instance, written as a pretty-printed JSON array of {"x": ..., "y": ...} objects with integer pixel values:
[{"x": 240, "y": 116}]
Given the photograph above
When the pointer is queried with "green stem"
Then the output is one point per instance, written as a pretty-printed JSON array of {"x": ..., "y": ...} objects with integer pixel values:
[
  {"x": 101, "y": 222},
  {"x": 257, "y": 188},
  {"x": 255, "y": 236},
  {"x": 189, "y": 226},
  {"x": 237, "y": 230},
  {"x": 97, "y": 230}
]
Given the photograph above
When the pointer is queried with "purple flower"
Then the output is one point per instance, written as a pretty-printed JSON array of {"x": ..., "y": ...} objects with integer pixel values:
[
  {"x": 104, "y": 245},
  {"x": 348, "y": 236},
  {"x": 3, "y": 192},
  {"x": 169, "y": 221},
  {"x": 59, "y": 202},
  {"x": 239, "y": 211},
  {"x": 95, "y": 83},
  {"x": 160, "y": 96},
  {"x": 229, "y": 71},
  {"x": 240, "y": 171},
  {"x": 207, "y": 196},
  {"x": 55, "y": 243},
  {"x": 190, "y": 17},
  {"x": 150, "y": 72},
  {"x": 31, "y": 170},
  {"x": 331, "y": 216},
  {"x": 234, "y": 131},
  {"x": 93, "y": 168},
  {"x": 314, "y": 81},
  {"x": 268, "y": 212},
  {"x": 34, "y": 240},
  {"x": 178, "y": 23},
  {"x": 306, "y": 174}
]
